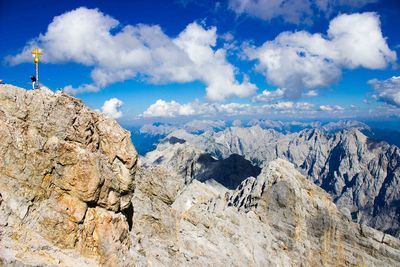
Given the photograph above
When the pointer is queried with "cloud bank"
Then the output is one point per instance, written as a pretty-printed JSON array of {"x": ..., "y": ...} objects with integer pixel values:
[
  {"x": 299, "y": 62},
  {"x": 172, "y": 109},
  {"x": 89, "y": 37}
]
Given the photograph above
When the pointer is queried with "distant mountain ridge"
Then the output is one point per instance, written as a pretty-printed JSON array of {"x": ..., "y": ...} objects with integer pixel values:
[{"x": 147, "y": 136}]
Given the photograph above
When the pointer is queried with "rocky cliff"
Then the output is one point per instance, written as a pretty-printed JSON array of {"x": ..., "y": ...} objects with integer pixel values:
[
  {"x": 66, "y": 179},
  {"x": 277, "y": 219},
  {"x": 362, "y": 175},
  {"x": 73, "y": 194},
  {"x": 192, "y": 163}
]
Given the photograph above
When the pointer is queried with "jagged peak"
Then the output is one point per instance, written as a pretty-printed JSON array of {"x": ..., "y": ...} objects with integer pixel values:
[
  {"x": 279, "y": 170},
  {"x": 69, "y": 169}
]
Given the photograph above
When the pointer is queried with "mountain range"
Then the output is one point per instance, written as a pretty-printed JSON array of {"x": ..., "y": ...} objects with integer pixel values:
[
  {"x": 147, "y": 136},
  {"x": 361, "y": 174}
]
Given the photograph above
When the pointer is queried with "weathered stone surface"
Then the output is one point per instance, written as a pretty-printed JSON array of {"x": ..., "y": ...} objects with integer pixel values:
[
  {"x": 66, "y": 177},
  {"x": 154, "y": 232},
  {"x": 193, "y": 163},
  {"x": 361, "y": 174},
  {"x": 277, "y": 219}
]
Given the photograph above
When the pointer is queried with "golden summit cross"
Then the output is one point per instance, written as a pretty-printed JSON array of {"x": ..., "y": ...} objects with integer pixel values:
[{"x": 36, "y": 53}]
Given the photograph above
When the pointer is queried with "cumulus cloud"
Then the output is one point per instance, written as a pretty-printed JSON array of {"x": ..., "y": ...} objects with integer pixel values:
[
  {"x": 163, "y": 108},
  {"x": 89, "y": 37},
  {"x": 387, "y": 91},
  {"x": 300, "y": 61},
  {"x": 293, "y": 11},
  {"x": 268, "y": 96},
  {"x": 173, "y": 109},
  {"x": 112, "y": 108}
]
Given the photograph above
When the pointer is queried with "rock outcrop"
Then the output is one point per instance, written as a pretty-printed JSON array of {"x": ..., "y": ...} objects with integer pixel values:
[
  {"x": 362, "y": 175},
  {"x": 277, "y": 219},
  {"x": 66, "y": 179}
]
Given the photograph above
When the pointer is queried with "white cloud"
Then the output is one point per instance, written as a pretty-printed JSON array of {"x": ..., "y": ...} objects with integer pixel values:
[
  {"x": 271, "y": 96},
  {"x": 81, "y": 89},
  {"x": 299, "y": 62},
  {"x": 387, "y": 91},
  {"x": 293, "y": 11},
  {"x": 311, "y": 93},
  {"x": 136, "y": 51},
  {"x": 112, "y": 108},
  {"x": 283, "y": 105},
  {"x": 304, "y": 106},
  {"x": 163, "y": 108},
  {"x": 330, "y": 108},
  {"x": 268, "y": 96},
  {"x": 172, "y": 109}
]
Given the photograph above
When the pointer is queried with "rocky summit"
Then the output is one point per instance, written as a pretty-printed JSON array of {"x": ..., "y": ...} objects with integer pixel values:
[
  {"x": 73, "y": 193},
  {"x": 66, "y": 179}
]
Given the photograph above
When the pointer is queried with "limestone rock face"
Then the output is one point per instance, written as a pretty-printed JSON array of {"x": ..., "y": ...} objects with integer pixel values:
[
  {"x": 192, "y": 163},
  {"x": 277, "y": 219},
  {"x": 307, "y": 222},
  {"x": 66, "y": 176},
  {"x": 361, "y": 174}
]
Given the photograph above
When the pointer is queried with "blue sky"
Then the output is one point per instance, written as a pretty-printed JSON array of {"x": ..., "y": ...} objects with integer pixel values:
[{"x": 143, "y": 60}]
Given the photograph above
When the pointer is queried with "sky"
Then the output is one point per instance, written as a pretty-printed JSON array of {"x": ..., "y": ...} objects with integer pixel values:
[{"x": 141, "y": 61}]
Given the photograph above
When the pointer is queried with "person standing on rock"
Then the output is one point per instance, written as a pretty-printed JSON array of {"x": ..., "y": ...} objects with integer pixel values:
[{"x": 33, "y": 79}]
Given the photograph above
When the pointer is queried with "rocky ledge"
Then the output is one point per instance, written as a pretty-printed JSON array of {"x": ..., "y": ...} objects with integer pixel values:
[
  {"x": 66, "y": 179},
  {"x": 278, "y": 218}
]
